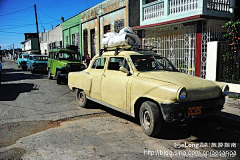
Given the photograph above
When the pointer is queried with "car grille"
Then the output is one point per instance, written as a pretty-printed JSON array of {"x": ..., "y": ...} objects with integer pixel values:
[
  {"x": 75, "y": 67},
  {"x": 40, "y": 66},
  {"x": 24, "y": 62}
]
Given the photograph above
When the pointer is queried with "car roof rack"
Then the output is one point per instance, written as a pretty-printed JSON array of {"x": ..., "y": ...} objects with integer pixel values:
[{"x": 133, "y": 48}]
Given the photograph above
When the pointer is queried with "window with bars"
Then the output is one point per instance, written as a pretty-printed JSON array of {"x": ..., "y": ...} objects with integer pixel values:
[
  {"x": 73, "y": 39},
  {"x": 77, "y": 39},
  {"x": 118, "y": 25},
  {"x": 220, "y": 5},
  {"x": 66, "y": 40},
  {"x": 85, "y": 41}
]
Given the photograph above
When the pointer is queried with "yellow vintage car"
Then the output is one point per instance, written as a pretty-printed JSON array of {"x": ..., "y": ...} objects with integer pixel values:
[{"x": 148, "y": 87}]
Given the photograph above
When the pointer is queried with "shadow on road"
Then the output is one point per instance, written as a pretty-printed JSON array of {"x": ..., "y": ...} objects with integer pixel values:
[
  {"x": 16, "y": 75},
  {"x": 10, "y": 92},
  {"x": 218, "y": 129}
]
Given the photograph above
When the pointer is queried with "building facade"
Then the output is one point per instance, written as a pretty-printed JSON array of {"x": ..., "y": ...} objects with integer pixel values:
[
  {"x": 51, "y": 39},
  {"x": 30, "y": 44},
  {"x": 108, "y": 16},
  {"x": 180, "y": 29},
  {"x": 71, "y": 31}
]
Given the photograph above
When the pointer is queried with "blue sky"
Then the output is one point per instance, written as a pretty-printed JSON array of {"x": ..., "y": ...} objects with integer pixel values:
[{"x": 18, "y": 17}]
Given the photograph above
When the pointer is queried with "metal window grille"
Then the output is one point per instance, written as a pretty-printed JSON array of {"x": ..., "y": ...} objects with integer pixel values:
[
  {"x": 85, "y": 41},
  {"x": 118, "y": 25},
  {"x": 219, "y": 5},
  {"x": 77, "y": 39},
  {"x": 178, "y": 6},
  {"x": 211, "y": 31},
  {"x": 177, "y": 43},
  {"x": 153, "y": 11}
]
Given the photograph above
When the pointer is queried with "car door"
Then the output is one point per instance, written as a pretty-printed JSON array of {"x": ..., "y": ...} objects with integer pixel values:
[
  {"x": 115, "y": 83},
  {"x": 96, "y": 73}
]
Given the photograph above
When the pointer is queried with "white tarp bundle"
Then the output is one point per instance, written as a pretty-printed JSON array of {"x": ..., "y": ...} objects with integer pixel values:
[{"x": 126, "y": 38}]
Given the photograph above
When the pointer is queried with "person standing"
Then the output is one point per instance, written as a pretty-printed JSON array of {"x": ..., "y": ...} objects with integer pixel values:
[{"x": 87, "y": 60}]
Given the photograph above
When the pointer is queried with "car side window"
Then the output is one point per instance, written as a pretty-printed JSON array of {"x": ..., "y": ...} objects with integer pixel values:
[
  {"x": 99, "y": 63},
  {"x": 116, "y": 62}
]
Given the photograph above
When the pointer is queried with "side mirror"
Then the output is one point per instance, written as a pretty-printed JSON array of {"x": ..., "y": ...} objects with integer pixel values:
[{"x": 124, "y": 70}]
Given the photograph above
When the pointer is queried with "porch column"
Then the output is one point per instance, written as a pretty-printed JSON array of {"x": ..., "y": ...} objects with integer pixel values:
[{"x": 198, "y": 49}]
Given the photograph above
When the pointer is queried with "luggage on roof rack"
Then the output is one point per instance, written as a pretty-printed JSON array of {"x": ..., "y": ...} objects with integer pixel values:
[{"x": 125, "y": 39}]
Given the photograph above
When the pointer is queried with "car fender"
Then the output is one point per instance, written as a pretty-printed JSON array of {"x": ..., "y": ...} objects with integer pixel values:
[
  {"x": 158, "y": 91},
  {"x": 80, "y": 80}
]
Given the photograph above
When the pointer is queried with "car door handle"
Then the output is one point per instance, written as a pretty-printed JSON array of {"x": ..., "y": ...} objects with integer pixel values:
[{"x": 103, "y": 75}]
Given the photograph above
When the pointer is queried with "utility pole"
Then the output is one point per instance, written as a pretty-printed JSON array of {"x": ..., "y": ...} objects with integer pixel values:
[
  {"x": 35, "y": 8},
  {"x": 13, "y": 50}
]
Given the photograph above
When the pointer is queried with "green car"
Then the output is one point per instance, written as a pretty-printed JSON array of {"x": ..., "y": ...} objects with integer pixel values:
[{"x": 61, "y": 62}]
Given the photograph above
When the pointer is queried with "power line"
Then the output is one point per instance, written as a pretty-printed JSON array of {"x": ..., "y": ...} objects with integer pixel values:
[
  {"x": 11, "y": 32},
  {"x": 48, "y": 15},
  {"x": 16, "y": 27},
  {"x": 52, "y": 5},
  {"x": 40, "y": 21},
  {"x": 15, "y": 12}
]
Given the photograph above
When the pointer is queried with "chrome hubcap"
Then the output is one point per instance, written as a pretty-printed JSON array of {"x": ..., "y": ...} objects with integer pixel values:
[
  {"x": 81, "y": 97},
  {"x": 146, "y": 120}
]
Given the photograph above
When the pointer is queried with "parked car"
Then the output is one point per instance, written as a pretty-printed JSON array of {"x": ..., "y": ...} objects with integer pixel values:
[
  {"x": 37, "y": 63},
  {"x": 61, "y": 62},
  {"x": 22, "y": 60},
  {"x": 147, "y": 86},
  {"x": 0, "y": 72}
]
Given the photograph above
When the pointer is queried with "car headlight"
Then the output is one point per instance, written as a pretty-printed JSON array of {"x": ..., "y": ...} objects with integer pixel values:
[
  {"x": 68, "y": 66},
  {"x": 182, "y": 95},
  {"x": 83, "y": 66},
  {"x": 225, "y": 90}
]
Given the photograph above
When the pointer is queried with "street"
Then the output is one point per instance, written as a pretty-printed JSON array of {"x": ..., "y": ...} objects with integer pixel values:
[{"x": 42, "y": 120}]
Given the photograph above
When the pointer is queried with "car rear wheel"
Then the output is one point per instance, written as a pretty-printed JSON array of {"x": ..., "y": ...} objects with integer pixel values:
[
  {"x": 150, "y": 118},
  {"x": 81, "y": 98},
  {"x": 49, "y": 74},
  {"x": 58, "y": 77}
]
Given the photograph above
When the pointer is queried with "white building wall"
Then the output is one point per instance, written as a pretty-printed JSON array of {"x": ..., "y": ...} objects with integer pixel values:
[
  {"x": 55, "y": 35},
  {"x": 52, "y": 36}
]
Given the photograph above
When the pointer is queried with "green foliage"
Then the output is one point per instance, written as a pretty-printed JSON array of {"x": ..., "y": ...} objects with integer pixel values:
[{"x": 233, "y": 32}]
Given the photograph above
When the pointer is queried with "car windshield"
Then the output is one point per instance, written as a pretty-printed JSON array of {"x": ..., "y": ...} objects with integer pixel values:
[
  {"x": 25, "y": 56},
  {"x": 152, "y": 63},
  {"x": 68, "y": 56},
  {"x": 40, "y": 58}
]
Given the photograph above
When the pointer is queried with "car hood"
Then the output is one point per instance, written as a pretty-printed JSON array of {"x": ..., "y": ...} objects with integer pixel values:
[
  {"x": 23, "y": 59},
  {"x": 197, "y": 88},
  {"x": 41, "y": 62},
  {"x": 70, "y": 62}
]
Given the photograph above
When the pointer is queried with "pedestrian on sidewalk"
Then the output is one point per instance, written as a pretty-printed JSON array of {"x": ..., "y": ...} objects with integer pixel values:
[{"x": 87, "y": 60}]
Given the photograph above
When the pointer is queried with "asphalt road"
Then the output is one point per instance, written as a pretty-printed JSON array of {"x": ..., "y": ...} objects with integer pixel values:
[{"x": 41, "y": 120}]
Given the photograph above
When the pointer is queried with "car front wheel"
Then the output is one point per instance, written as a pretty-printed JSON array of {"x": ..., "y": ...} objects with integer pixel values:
[
  {"x": 150, "y": 118},
  {"x": 81, "y": 98}
]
